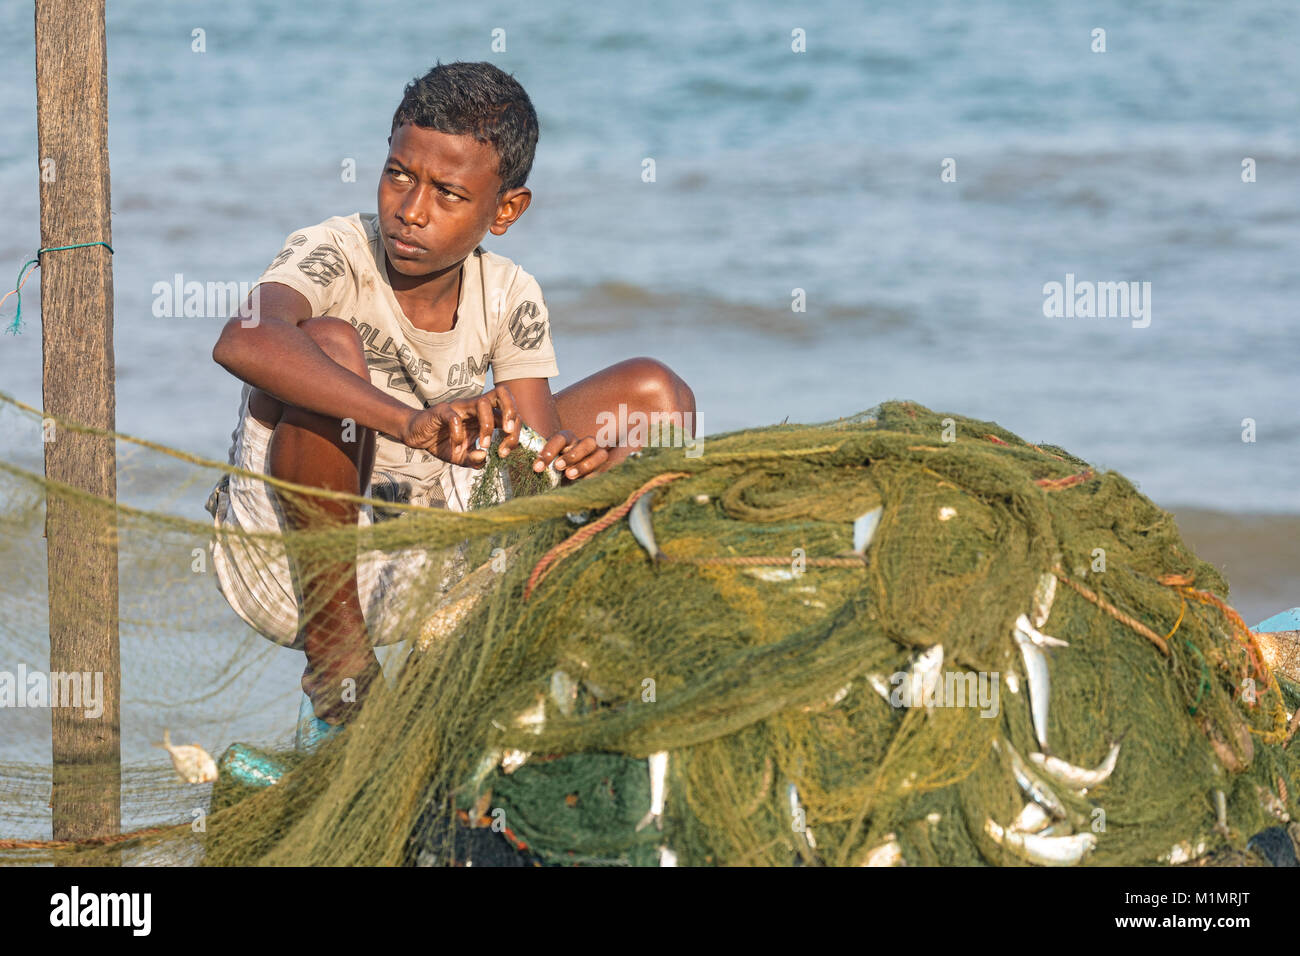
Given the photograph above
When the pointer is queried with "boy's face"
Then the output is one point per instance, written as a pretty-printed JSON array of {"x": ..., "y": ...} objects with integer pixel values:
[{"x": 439, "y": 193}]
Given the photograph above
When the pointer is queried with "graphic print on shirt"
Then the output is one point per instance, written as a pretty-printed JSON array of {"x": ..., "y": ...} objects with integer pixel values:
[
  {"x": 287, "y": 252},
  {"x": 526, "y": 334},
  {"x": 464, "y": 373},
  {"x": 323, "y": 264},
  {"x": 389, "y": 360}
]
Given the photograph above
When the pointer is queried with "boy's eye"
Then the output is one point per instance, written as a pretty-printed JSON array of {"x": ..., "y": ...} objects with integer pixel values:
[
  {"x": 447, "y": 192},
  {"x": 395, "y": 172}
]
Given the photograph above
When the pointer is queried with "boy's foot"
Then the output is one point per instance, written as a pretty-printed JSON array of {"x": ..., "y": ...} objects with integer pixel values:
[{"x": 312, "y": 731}]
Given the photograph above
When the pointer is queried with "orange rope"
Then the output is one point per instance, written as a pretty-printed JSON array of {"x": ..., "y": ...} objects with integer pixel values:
[
  {"x": 88, "y": 842},
  {"x": 580, "y": 538},
  {"x": 1114, "y": 612},
  {"x": 1282, "y": 731},
  {"x": 1043, "y": 451},
  {"x": 576, "y": 541},
  {"x": 1239, "y": 627},
  {"x": 1056, "y": 484}
]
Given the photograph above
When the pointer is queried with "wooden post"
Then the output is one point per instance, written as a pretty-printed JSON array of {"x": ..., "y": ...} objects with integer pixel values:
[{"x": 77, "y": 333}]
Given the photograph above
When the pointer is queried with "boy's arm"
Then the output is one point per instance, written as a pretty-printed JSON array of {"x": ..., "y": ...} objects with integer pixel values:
[
  {"x": 272, "y": 353},
  {"x": 535, "y": 404}
]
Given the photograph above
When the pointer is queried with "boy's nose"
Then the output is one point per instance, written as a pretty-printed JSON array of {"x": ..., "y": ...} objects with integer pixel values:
[
  {"x": 413, "y": 212},
  {"x": 413, "y": 216}
]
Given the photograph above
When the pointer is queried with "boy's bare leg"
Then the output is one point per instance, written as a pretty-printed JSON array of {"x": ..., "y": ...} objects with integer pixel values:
[
  {"x": 311, "y": 449},
  {"x": 644, "y": 385}
]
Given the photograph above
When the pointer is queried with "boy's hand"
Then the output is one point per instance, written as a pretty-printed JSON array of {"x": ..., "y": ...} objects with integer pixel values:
[
  {"x": 573, "y": 458},
  {"x": 449, "y": 429}
]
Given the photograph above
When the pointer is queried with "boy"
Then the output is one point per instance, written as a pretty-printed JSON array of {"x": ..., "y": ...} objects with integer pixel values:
[{"x": 363, "y": 365}]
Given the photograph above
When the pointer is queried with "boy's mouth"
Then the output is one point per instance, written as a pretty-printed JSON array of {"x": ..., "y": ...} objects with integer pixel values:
[{"x": 405, "y": 248}]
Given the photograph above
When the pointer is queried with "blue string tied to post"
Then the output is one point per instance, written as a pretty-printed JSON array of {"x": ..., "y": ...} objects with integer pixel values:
[{"x": 24, "y": 275}]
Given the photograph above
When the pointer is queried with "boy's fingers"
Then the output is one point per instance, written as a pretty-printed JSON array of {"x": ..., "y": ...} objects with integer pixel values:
[
  {"x": 588, "y": 464},
  {"x": 577, "y": 452},
  {"x": 456, "y": 435},
  {"x": 554, "y": 445},
  {"x": 486, "y": 419},
  {"x": 506, "y": 402},
  {"x": 511, "y": 423},
  {"x": 509, "y": 440}
]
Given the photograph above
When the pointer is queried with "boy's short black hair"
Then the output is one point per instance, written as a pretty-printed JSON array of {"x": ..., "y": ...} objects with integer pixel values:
[{"x": 479, "y": 100}]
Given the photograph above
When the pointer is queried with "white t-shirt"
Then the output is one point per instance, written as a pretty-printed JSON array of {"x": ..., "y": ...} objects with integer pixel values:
[{"x": 502, "y": 324}]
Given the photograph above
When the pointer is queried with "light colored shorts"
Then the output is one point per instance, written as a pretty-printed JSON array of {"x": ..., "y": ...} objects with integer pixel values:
[{"x": 254, "y": 574}]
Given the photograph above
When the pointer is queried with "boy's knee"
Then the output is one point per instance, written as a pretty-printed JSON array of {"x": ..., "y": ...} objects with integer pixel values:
[
  {"x": 339, "y": 340},
  {"x": 659, "y": 386}
]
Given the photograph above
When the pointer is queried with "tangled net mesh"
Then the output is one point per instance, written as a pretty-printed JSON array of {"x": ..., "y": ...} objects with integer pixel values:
[{"x": 542, "y": 689}]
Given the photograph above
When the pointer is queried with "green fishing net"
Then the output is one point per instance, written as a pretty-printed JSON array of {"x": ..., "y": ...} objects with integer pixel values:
[{"x": 568, "y": 699}]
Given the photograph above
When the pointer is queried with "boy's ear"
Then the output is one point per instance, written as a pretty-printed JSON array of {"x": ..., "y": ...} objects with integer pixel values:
[{"x": 510, "y": 207}]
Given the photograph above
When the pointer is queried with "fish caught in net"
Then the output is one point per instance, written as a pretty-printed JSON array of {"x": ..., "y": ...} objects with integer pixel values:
[{"x": 902, "y": 637}]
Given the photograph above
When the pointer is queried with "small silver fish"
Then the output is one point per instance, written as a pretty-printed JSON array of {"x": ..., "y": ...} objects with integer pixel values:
[
  {"x": 1044, "y": 595},
  {"x": 1045, "y": 851},
  {"x": 922, "y": 683},
  {"x": 485, "y": 766},
  {"x": 771, "y": 575},
  {"x": 888, "y": 853},
  {"x": 193, "y": 764},
  {"x": 796, "y": 813},
  {"x": 1077, "y": 778},
  {"x": 879, "y": 685},
  {"x": 830, "y": 701},
  {"x": 1040, "y": 639},
  {"x": 1040, "y": 683},
  {"x": 564, "y": 691},
  {"x": 1034, "y": 788},
  {"x": 639, "y": 521},
  {"x": 531, "y": 440},
  {"x": 1183, "y": 852},
  {"x": 658, "y": 766},
  {"x": 1221, "y": 812},
  {"x": 535, "y": 441},
  {"x": 532, "y": 720},
  {"x": 1031, "y": 819},
  {"x": 512, "y": 760},
  {"x": 864, "y": 529},
  {"x": 534, "y": 717}
]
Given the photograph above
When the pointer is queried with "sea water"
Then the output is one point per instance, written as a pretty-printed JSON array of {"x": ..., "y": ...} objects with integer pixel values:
[{"x": 803, "y": 211}]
